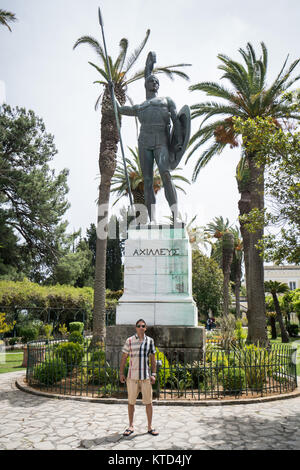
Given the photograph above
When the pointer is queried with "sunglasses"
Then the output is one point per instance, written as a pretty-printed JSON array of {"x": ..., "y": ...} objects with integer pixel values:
[{"x": 141, "y": 326}]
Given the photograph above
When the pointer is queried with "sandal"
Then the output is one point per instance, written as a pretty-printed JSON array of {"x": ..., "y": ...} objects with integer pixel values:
[
  {"x": 153, "y": 432},
  {"x": 128, "y": 432}
]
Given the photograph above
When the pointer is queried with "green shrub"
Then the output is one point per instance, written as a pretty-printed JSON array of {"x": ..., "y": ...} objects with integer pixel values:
[
  {"x": 240, "y": 334},
  {"x": 98, "y": 357},
  {"x": 76, "y": 326},
  {"x": 71, "y": 354},
  {"x": 28, "y": 333},
  {"x": 76, "y": 337},
  {"x": 164, "y": 369},
  {"x": 180, "y": 377},
  {"x": 50, "y": 372},
  {"x": 12, "y": 341},
  {"x": 113, "y": 294},
  {"x": 107, "y": 390},
  {"x": 47, "y": 330},
  {"x": 232, "y": 379},
  {"x": 293, "y": 330},
  {"x": 203, "y": 378},
  {"x": 256, "y": 362},
  {"x": 103, "y": 376}
]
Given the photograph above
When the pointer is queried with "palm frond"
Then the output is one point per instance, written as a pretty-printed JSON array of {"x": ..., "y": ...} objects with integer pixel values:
[
  {"x": 279, "y": 84},
  {"x": 265, "y": 55},
  {"x": 251, "y": 52},
  {"x": 89, "y": 40},
  {"x": 206, "y": 157},
  {"x": 204, "y": 133},
  {"x": 98, "y": 100},
  {"x": 217, "y": 109},
  {"x": 214, "y": 89},
  {"x": 7, "y": 17},
  {"x": 101, "y": 71},
  {"x": 137, "y": 76},
  {"x": 170, "y": 71},
  {"x": 133, "y": 57},
  {"x": 118, "y": 65}
]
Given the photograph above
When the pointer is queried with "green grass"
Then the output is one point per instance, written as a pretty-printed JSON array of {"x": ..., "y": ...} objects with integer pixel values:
[{"x": 11, "y": 362}]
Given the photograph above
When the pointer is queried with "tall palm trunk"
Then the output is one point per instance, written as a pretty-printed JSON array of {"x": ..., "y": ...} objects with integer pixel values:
[
  {"x": 284, "y": 333},
  {"x": 139, "y": 200},
  {"x": 107, "y": 166},
  {"x": 237, "y": 287},
  {"x": 251, "y": 188},
  {"x": 227, "y": 256},
  {"x": 273, "y": 327}
]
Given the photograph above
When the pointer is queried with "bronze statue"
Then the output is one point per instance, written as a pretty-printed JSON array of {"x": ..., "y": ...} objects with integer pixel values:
[{"x": 156, "y": 140}]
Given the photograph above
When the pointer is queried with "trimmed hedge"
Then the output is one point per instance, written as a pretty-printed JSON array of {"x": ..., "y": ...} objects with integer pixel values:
[
  {"x": 71, "y": 353},
  {"x": 76, "y": 326},
  {"x": 50, "y": 372},
  {"x": 76, "y": 337}
]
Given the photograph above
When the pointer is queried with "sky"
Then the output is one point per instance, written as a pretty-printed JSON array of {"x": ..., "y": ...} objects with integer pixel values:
[{"x": 39, "y": 70}]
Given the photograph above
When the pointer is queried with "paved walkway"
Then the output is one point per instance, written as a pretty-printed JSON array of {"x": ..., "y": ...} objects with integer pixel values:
[{"x": 34, "y": 422}]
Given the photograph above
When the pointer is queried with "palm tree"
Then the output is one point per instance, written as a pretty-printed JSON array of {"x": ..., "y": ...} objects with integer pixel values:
[
  {"x": 274, "y": 288},
  {"x": 236, "y": 268},
  {"x": 250, "y": 97},
  {"x": 120, "y": 69},
  {"x": 217, "y": 228},
  {"x": 223, "y": 252},
  {"x": 7, "y": 17}
]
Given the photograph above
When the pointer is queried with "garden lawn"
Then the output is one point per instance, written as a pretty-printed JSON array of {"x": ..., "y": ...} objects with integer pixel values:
[{"x": 11, "y": 362}]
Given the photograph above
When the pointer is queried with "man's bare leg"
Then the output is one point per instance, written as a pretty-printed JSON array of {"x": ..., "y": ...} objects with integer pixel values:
[
  {"x": 130, "y": 415},
  {"x": 149, "y": 412},
  {"x": 130, "y": 429}
]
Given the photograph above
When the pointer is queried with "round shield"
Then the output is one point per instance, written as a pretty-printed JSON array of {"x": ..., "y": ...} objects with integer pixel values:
[{"x": 184, "y": 118}]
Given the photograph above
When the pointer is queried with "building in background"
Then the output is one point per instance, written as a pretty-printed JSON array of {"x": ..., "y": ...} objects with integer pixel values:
[{"x": 289, "y": 275}]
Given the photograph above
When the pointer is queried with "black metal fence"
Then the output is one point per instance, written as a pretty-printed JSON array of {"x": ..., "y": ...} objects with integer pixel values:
[{"x": 64, "y": 368}]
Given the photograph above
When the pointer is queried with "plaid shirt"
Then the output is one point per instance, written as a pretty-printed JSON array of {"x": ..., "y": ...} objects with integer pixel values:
[{"x": 139, "y": 356}]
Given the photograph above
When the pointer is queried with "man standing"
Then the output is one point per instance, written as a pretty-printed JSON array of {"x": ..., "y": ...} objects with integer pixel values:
[{"x": 139, "y": 347}]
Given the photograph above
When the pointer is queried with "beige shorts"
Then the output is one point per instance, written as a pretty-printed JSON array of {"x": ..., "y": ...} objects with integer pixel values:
[{"x": 135, "y": 386}]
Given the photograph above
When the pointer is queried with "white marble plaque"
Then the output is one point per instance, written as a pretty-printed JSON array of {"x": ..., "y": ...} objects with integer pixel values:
[{"x": 157, "y": 278}]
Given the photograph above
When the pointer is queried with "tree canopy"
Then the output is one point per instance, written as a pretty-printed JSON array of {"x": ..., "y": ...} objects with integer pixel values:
[
  {"x": 32, "y": 197},
  {"x": 277, "y": 147}
]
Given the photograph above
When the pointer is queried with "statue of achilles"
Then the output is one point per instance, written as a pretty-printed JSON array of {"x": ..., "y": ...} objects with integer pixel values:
[{"x": 156, "y": 141}]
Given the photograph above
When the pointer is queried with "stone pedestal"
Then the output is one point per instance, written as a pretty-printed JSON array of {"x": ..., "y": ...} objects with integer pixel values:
[
  {"x": 157, "y": 277},
  {"x": 186, "y": 342}
]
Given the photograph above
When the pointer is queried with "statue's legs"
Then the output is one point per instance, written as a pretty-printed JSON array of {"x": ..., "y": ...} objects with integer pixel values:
[
  {"x": 161, "y": 155},
  {"x": 146, "y": 157}
]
